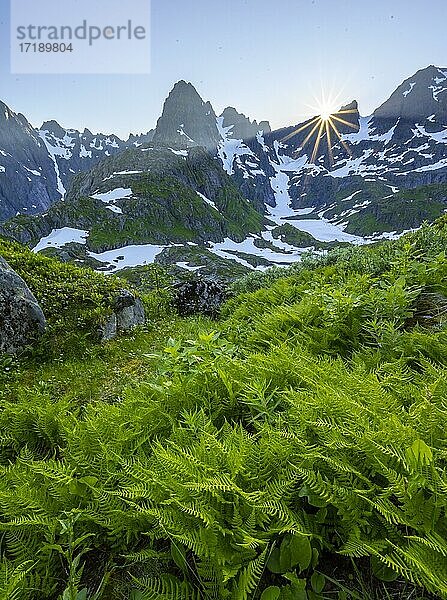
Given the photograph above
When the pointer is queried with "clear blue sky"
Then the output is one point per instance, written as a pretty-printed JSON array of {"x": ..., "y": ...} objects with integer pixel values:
[{"x": 266, "y": 58}]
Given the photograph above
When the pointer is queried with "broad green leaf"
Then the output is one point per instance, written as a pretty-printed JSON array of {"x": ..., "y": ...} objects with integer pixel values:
[
  {"x": 77, "y": 488},
  {"x": 271, "y": 593},
  {"x": 179, "y": 556},
  {"x": 274, "y": 564},
  {"x": 317, "y": 582},
  {"x": 55, "y": 547},
  {"x": 90, "y": 481},
  {"x": 300, "y": 551}
]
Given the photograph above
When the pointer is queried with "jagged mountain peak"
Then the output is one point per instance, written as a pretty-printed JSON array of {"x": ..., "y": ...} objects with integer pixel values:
[
  {"x": 350, "y": 113},
  {"x": 12, "y": 120},
  {"x": 187, "y": 120},
  {"x": 419, "y": 97},
  {"x": 185, "y": 87},
  {"x": 54, "y": 128},
  {"x": 354, "y": 105},
  {"x": 242, "y": 126}
]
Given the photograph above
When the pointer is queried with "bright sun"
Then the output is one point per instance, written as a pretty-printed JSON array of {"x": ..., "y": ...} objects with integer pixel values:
[
  {"x": 325, "y": 125},
  {"x": 325, "y": 114}
]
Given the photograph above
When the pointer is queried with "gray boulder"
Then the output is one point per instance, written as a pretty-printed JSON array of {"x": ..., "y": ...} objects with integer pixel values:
[
  {"x": 128, "y": 313},
  {"x": 21, "y": 318}
]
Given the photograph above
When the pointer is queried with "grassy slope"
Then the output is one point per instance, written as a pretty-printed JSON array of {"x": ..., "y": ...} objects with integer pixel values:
[
  {"x": 192, "y": 451},
  {"x": 378, "y": 210},
  {"x": 406, "y": 209},
  {"x": 164, "y": 209}
]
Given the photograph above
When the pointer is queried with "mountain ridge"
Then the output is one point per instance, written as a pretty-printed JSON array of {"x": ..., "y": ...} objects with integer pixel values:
[{"x": 375, "y": 176}]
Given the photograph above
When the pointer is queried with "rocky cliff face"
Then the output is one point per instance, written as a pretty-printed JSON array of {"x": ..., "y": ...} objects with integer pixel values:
[
  {"x": 241, "y": 126},
  {"x": 187, "y": 120},
  {"x": 28, "y": 181},
  {"x": 37, "y": 166}
]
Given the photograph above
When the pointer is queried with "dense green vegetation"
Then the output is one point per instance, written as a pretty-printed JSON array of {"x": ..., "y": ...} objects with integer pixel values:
[
  {"x": 295, "y": 449},
  {"x": 75, "y": 301},
  {"x": 407, "y": 209},
  {"x": 371, "y": 207}
]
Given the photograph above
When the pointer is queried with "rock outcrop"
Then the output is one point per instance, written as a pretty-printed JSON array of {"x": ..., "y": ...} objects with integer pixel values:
[
  {"x": 21, "y": 318},
  {"x": 200, "y": 296},
  {"x": 28, "y": 182},
  {"x": 128, "y": 314}
]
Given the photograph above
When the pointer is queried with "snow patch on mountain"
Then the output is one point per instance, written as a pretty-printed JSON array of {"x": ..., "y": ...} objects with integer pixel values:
[
  {"x": 261, "y": 142},
  {"x": 230, "y": 148},
  {"x": 433, "y": 167},
  {"x": 440, "y": 137},
  {"x": 405, "y": 94},
  {"x": 207, "y": 200},
  {"x": 84, "y": 153},
  {"x": 351, "y": 196},
  {"x": 183, "y": 153},
  {"x": 362, "y": 134},
  {"x": 54, "y": 151},
  {"x": 188, "y": 267},
  {"x": 352, "y": 165},
  {"x": 61, "y": 237},
  {"x": 115, "y": 209},
  {"x": 129, "y": 256},
  {"x": 34, "y": 172},
  {"x": 181, "y": 131},
  {"x": 230, "y": 250},
  {"x": 112, "y": 195},
  {"x": 280, "y": 187}
]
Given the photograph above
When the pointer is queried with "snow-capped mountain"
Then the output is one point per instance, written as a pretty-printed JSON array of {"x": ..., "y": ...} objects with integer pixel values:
[
  {"x": 73, "y": 151},
  {"x": 422, "y": 95},
  {"x": 371, "y": 185},
  {"x": 289, "y": 190},
  {"x": 28, "y": 182},
  {"x": 37, "y": 165}
]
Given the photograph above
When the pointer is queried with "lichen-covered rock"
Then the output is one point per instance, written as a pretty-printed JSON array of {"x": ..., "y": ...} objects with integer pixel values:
[
  {"x": 128, "y": 313},
  {"x": 200, "y": 296},
  {"x": 21, "y": 318}
]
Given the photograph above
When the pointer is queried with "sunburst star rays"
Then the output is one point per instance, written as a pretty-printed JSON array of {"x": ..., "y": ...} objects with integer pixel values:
[{"x": 323, "y": 126}]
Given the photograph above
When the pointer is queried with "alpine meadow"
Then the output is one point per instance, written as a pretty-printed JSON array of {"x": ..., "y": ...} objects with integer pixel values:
[
  {"x": 295, "y": 448},
  {"x": 223, "y": 339}
]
